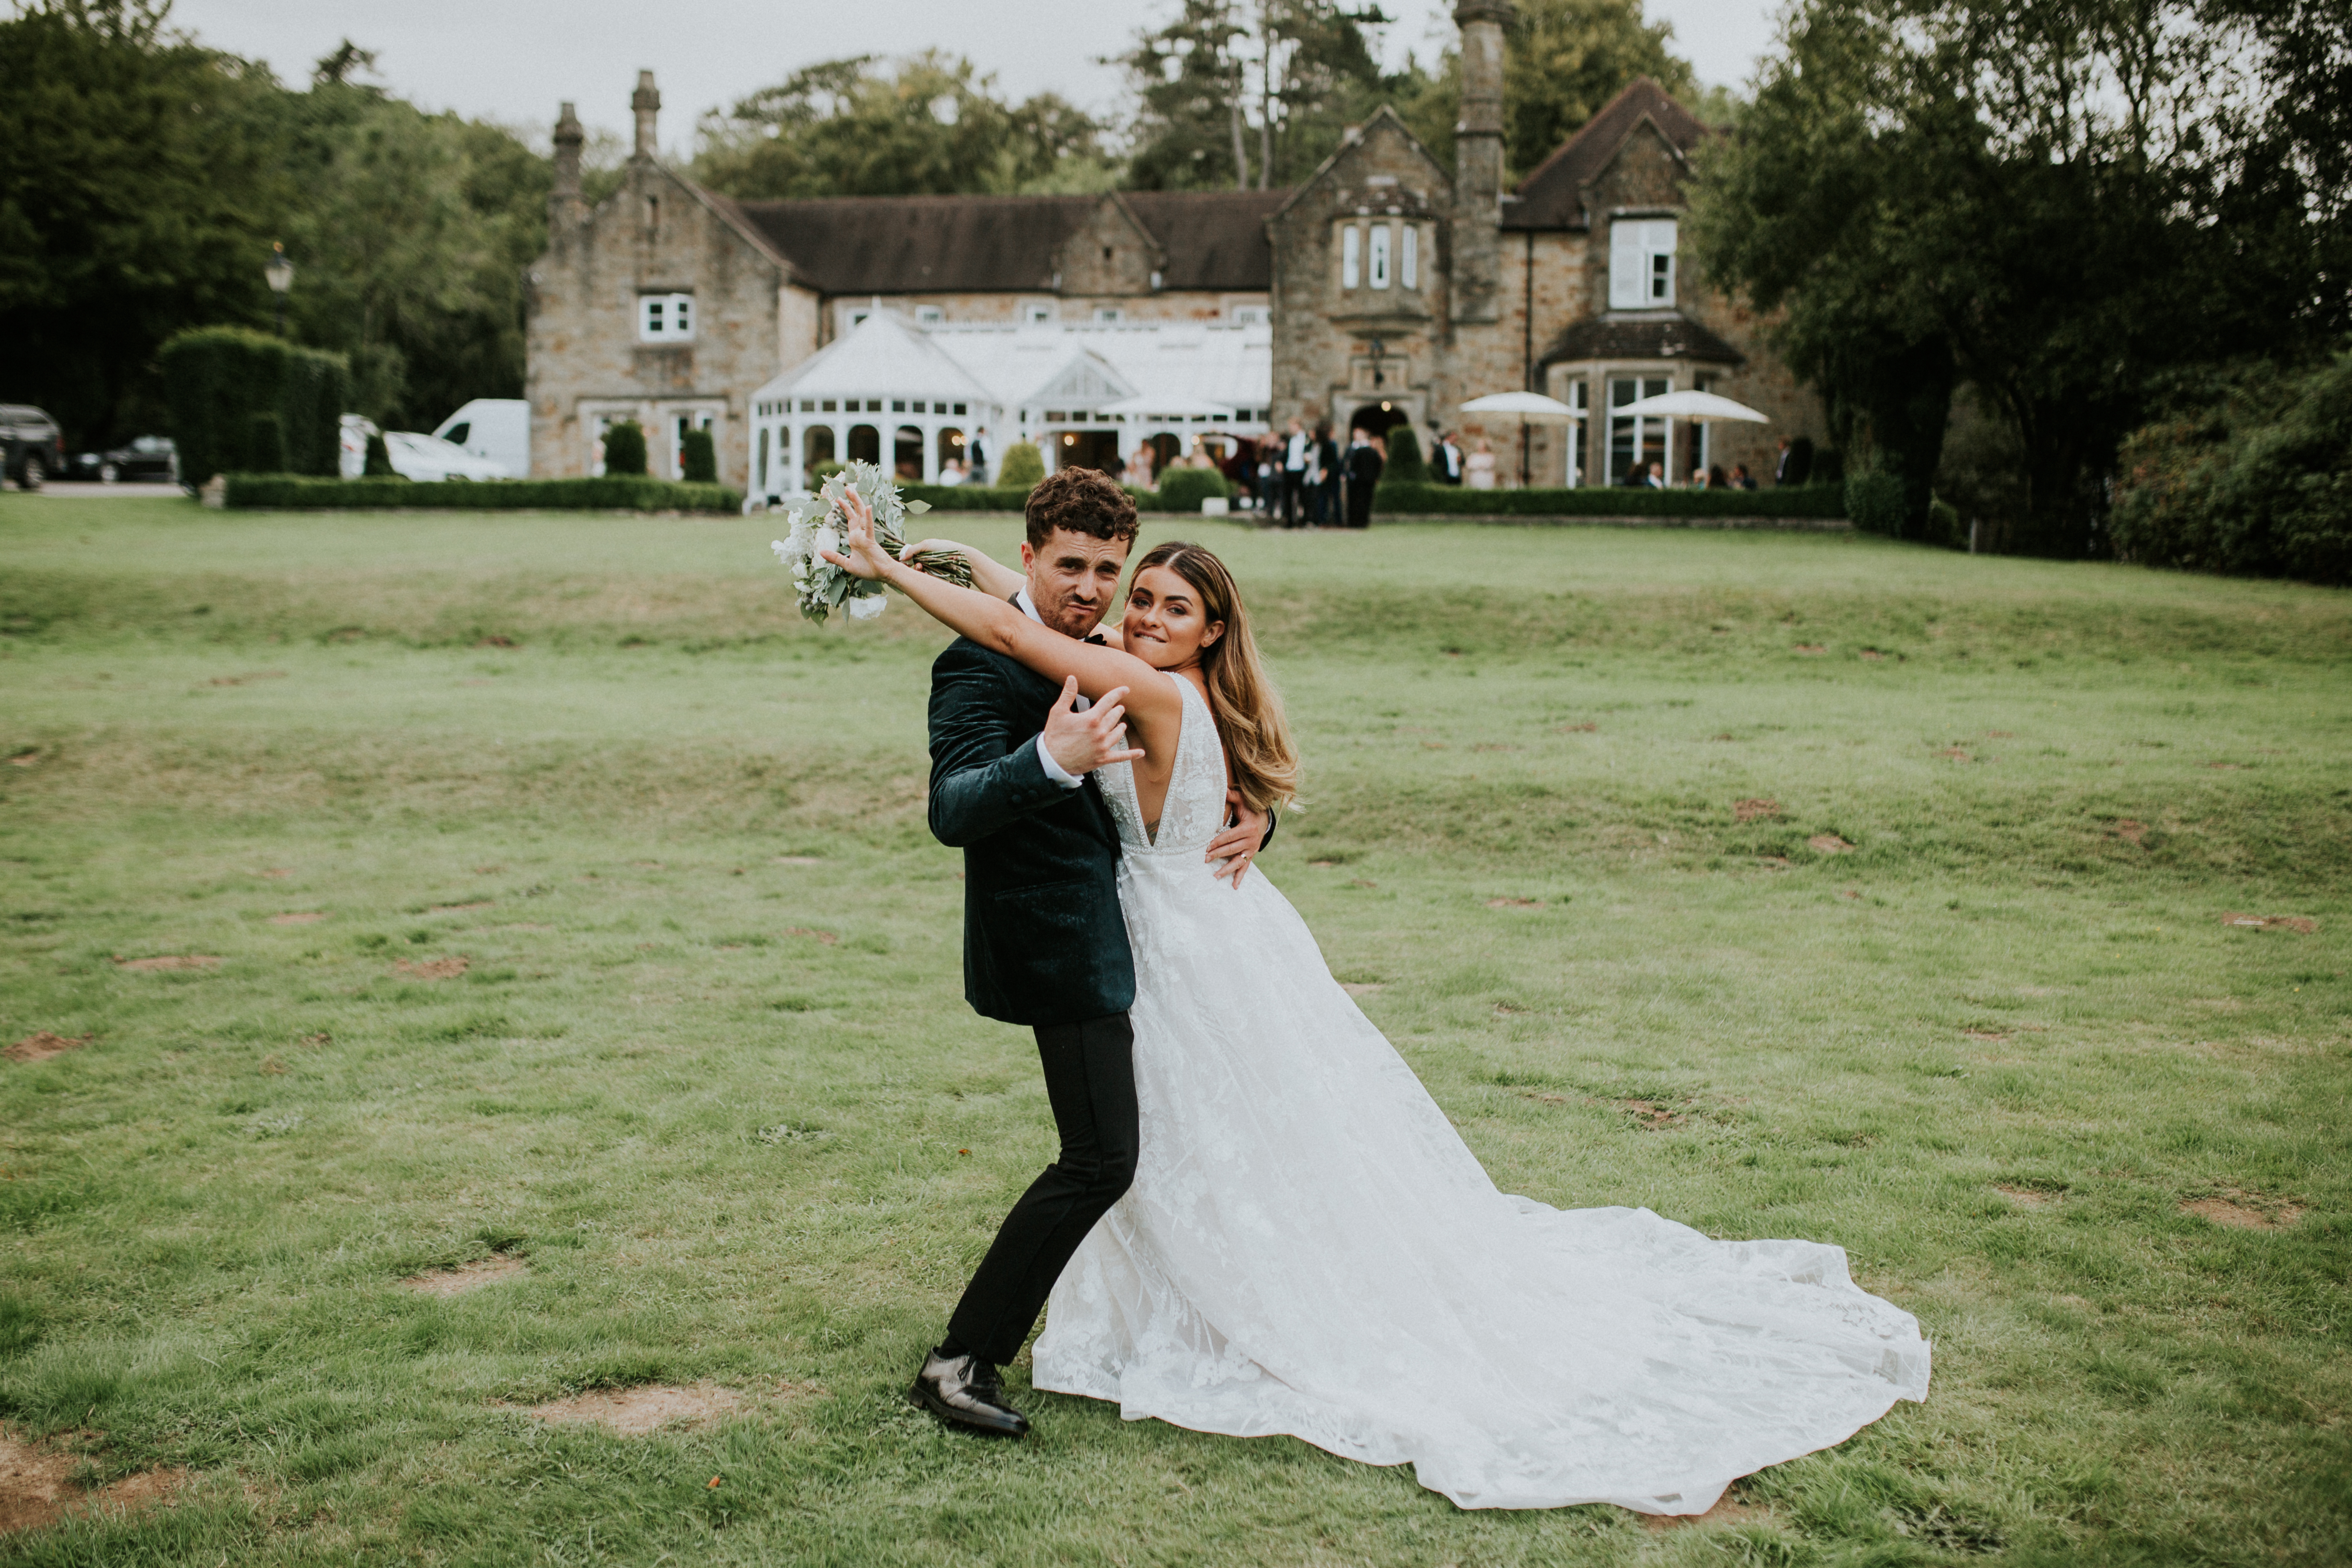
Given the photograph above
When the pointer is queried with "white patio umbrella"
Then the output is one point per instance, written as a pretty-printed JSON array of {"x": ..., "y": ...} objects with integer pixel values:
[
  {"x": 1527, "y": 408},
  {"x": 1699, "y": 407}
]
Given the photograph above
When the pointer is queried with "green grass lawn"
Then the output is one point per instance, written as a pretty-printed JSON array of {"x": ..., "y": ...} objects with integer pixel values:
[{"x": 707, "y": 1070}]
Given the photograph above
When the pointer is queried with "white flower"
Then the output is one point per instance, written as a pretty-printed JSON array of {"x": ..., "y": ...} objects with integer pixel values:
[{"x": 866, "y": 606}]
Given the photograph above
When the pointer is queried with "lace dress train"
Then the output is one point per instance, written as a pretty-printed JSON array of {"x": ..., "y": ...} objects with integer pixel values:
[{"x": 1310, "y": 1248}]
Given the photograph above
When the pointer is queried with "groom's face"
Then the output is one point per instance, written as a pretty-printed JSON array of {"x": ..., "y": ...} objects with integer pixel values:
[{"x": 1074, "y": 579}]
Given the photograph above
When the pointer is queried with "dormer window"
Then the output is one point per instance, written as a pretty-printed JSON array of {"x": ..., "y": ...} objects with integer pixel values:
[
  {"x": 1351, "y": 256},
  {"x": 1380, "y": 233},
  {"x": 666, "y": 318},
  {"x": 1641, "y": 264}
]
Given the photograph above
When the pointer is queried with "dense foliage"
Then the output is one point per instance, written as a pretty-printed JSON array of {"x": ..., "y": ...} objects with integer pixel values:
[
  {"x": 625, "y": 448},
  {"x": 698, "y": 458},
  {"x": 1020, "y": 467},
  {"x": 1821, "y": 503},
  {"x": 246, "y": 401},
  {"x": 2255, "y": 477},
  {"x": 929, "y": 123},
  {"x": 609, "y": 493},
  {"x": 2051, "y": 205},
  {"x": 1405, "y": 465}
]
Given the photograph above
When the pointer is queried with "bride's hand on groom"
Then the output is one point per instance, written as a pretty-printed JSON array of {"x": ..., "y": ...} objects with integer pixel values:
[
  {"x": 1237, "y": 846},
  {"x": 1081, "y": 742}
]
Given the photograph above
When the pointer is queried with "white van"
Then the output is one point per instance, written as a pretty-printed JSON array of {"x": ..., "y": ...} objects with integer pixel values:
[{"x": 497, "y": 428}]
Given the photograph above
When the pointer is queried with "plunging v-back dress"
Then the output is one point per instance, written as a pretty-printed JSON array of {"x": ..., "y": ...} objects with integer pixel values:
[{"x": 1310, "y": 1248}]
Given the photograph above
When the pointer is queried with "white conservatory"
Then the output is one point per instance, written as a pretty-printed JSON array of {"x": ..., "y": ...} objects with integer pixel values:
[{"x": 914, "y": 398}]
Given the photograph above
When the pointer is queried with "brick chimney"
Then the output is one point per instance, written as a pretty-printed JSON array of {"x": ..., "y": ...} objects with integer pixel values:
[
  {"x": 1478, "y": 159},
  {"x": 647, "y": 103},
  {"x": 564, "y": 204}
]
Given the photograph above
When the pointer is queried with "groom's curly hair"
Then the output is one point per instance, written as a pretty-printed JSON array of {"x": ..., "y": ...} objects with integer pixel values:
[{"x": 1081, "y": 501}]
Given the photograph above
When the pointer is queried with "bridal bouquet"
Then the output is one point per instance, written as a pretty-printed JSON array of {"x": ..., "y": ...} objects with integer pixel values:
[{"x": 822, "y": 588}]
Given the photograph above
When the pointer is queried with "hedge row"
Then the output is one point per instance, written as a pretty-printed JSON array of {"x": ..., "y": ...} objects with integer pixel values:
[
  {"x": 1803, "y": 502},
  {"x": 1182, "y": 491},
  {"x": 245, "y": 400},
  {"x": 295, "y": 492}
]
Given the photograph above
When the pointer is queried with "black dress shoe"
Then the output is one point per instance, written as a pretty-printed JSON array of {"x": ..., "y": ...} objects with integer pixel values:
[{"x": 963, "y": 1391}]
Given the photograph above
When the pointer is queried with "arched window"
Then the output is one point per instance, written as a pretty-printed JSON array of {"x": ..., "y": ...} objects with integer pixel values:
[
  {"x": 816, "y": 446},
  {"x": 951, "y": 449},
  {"x": 907, "y": 454},
  {"x": 865, "y": 444}
]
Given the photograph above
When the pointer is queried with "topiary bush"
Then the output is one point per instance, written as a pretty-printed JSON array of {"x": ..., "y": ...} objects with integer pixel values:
[
  {"x": 624, "y": 449},
  {"x": 698, "y": 458},
  {"x": 216, "y": 381},
  {"x": 1183, "y": 490},
  {"x": 1023, "y": 468},
  {"x": 1873, "y": 502},
  {"x": 1405, "y": 466},
  {"x": 820, "y": 471}
]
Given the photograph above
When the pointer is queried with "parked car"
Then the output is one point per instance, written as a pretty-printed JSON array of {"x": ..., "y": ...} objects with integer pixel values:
[
  {"x": 152, "y": 460},
  {"x": 32, "y": 447},
  {"x": 416, "y": 455},
  {"x": 497, "y": 428}
]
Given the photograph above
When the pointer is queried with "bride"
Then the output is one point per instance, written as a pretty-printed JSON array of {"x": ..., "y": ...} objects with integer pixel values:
[{"x": 1308, "y": 1247}]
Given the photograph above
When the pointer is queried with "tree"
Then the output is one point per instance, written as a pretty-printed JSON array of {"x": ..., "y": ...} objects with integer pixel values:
[
  {"x": 2023, "y": 198},
  {"x": 927, "y": 124},
  {"x": 1565, "y": 59},
  {"x": 1243, "y": 93}
]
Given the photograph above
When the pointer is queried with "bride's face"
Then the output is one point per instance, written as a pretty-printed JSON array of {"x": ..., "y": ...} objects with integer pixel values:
[{"x": 1165, "y": 626}]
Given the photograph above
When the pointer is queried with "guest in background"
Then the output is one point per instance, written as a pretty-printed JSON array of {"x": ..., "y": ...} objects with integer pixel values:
[
  {"x": 1449, "y": 460},
  {"x": 1699, "y": 479},
  {"x": 1364, "y": 465},
  {"x": 1200, "y": 457},
  {"x": 1480, "y": 468},
  {"x": 1328, "y": 478},
  {"x": 1717, "y": 480},
  {"x": 1780, "y": 468},
  {"x": 1654, "y": 476},
  {"x": 1298, "y": 463},
  {"x": 950, "y": 473},
  {"x": 975, "y": 458},
  {"x": 1741, "y": 480}
]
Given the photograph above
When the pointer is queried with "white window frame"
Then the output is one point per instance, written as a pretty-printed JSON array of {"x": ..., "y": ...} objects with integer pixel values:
[
  {"x": 1409, "y": 265},
  {"x": 930, "y": 316},
  {"x": 1250, "y": 315},
  {"x": 1642, "y": 264},
  {"x": 1109, "y": 315},
  {"x": 1384, "y": 244},
  {"x": 1351, "y": 256},
  {"x": 666, "y": 318},
  {"x": 1038, "y": 314}
]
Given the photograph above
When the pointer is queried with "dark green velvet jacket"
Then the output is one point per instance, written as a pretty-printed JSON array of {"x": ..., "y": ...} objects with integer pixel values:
[{"x": 1044, "y": 941}]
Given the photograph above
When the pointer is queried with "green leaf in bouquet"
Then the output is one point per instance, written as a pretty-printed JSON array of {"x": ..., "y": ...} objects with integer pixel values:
[{"x": 916, "y": 508}]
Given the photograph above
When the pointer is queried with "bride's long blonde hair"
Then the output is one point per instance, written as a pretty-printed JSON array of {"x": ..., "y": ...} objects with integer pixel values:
[{"x": 1250, "y": 720}]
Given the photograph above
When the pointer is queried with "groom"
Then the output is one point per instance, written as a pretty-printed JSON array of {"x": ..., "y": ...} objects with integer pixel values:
[{"x": 1043, "y": 942}]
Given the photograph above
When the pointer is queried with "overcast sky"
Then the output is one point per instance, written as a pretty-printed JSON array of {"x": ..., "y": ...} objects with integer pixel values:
[{"x": 514, "y": 60}]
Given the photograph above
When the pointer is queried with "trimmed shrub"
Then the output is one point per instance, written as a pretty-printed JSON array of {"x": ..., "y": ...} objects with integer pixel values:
[
  {"x": 625, "y": 450},
  {"x": 610, "y": 493},
  {"x": 1815, "y": 501},
  {"x": 820, "y": 471},
  {"x": 1875, "y": 502},
  {"x": 218, "y": 379},
  {"x": 1183, "y": 490},
  {"x": 697, "y": 459},
  {"x": 2260, "y": 482},
  {"x": 1023, "y": 468},
  {"x": 1404, "y": 466},
  {"x": 379, "y": 459},
  {"x": 967, "y": 498}
]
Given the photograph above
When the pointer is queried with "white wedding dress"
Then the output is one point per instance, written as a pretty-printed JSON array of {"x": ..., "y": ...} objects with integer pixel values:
[{"x": 1310, "y": 1248}]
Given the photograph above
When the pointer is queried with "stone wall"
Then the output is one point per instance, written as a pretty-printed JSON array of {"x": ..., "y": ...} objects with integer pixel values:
[{"x": 652, "y": 236}]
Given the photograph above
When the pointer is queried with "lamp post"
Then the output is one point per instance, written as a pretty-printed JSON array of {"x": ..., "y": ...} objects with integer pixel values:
[{"x": 280, "y": 273}]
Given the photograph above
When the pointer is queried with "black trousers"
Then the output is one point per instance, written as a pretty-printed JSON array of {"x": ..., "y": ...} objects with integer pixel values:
[
  {"x": 1090, "y": 1079},
  {"x": 1294, "y": 497}
]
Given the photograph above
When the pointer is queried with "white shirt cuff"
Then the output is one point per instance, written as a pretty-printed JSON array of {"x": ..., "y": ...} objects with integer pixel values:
[{"x": 1054, "y": 770}]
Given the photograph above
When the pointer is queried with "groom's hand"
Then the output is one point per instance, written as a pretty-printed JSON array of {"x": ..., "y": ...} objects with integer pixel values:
[
  {"x": 1082, "y": 742},
  {"x": 1237, "y": 846}
]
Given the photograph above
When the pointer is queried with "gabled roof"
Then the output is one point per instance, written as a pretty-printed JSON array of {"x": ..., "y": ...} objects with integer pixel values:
[
  {"x": 878, "y": 357},
  {"x": 1346, "y": 148},
  {"x": 916, "y": 245},
  {"x": 1552, "y": 197},
  {"x": 1641, "y": 338}
]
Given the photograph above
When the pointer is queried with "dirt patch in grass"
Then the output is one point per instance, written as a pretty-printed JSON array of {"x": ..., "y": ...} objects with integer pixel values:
[
  {"x": 1956, "y": 754},
  {"x": 26, "y": 759},
  {"x": 2244, "y": 1211},
  {"x": 650, "y": 1408},
  {"x": 170, "y": 961},
  {"x": 466, "y": 1276},
  {"x": 2302, "y": 923},
  {"x": 1362, "y": 987},
  {"x": 276, "y": 873},
  {"x": 2132, "y": 832},
  {"x": 37, "y": 1487},
  {"x": 298, "y": 918},
  {"x": 41, "y": 1046},
  {"x": 1654, "y": 1114},
  {"x": 825, "y": 937},
  {"x": 1827, "y": 844},
  {"x": 2026, "y": 1197},
  {"x": 1809, "y": 647},
  {"x": 252, "y": 676},
  {"x": 1514, "y": 903},
  {"x": 1754, "y": 807},
  {"x": 1586, "y": 728},
  {"x": 434, "y": 968},
  {"x": 1727, "y": 1509}
]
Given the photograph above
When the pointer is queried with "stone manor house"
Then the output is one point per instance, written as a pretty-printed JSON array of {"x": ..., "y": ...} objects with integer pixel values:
[{"x": 1384, "y": 290}]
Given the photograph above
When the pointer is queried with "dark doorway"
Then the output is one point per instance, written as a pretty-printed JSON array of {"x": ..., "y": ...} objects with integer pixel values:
[
  {"x": 1374, "y": 419},
  {"x": 1088, "y": 449},
  {"x": 906, "y": 455},
  {"x": 816, "y": 446}
]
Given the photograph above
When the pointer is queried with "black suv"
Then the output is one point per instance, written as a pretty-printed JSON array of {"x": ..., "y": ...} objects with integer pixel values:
[{"x": 32, "y": 447}]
